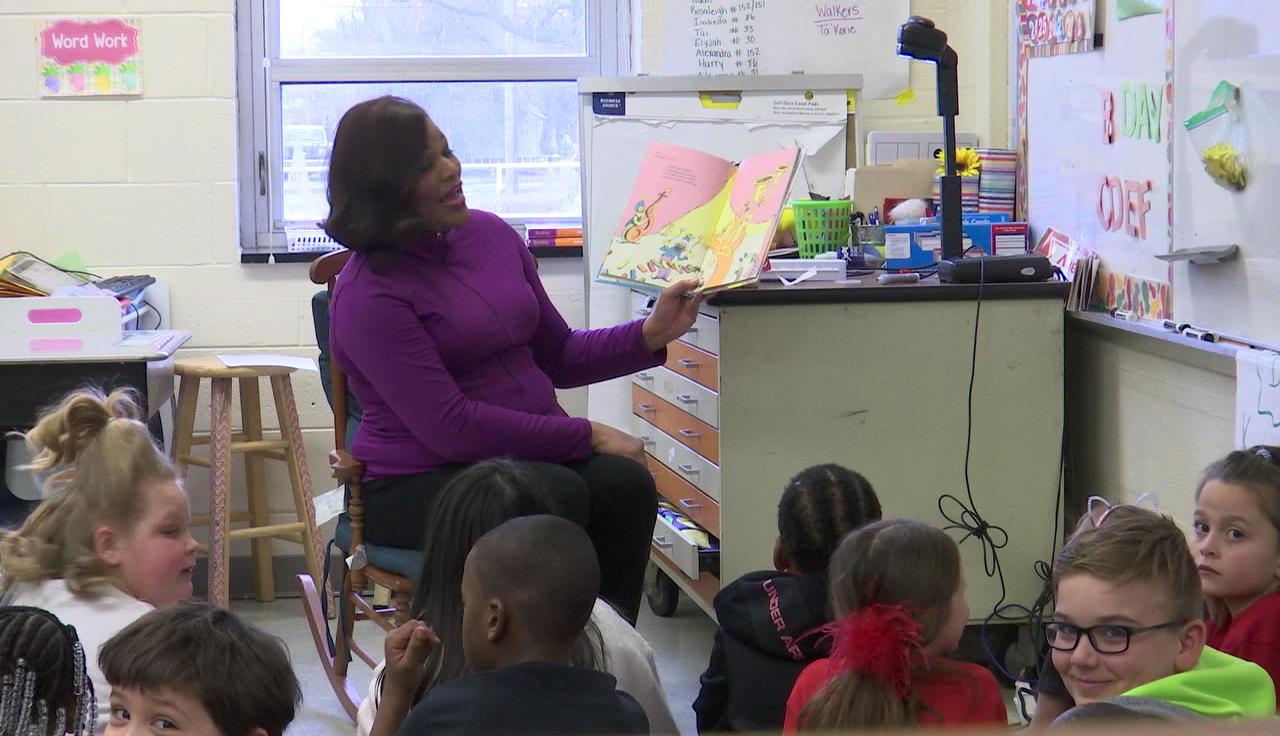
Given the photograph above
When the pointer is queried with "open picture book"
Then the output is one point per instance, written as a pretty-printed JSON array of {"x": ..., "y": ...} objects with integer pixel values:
[{"x": 691, "y": 214}]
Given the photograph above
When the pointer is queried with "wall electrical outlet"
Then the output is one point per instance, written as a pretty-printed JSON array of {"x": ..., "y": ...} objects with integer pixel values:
[{"x": 887, "y": 146}]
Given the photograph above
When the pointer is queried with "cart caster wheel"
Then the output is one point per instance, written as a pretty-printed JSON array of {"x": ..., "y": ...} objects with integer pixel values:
[{"x": 663, "y": 595}]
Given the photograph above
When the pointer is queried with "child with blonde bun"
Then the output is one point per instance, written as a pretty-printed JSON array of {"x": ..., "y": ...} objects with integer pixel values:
[{"x": 111, "y": 541}]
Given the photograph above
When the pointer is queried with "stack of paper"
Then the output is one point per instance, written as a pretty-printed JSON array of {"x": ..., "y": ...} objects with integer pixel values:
[
  {"x": 22, "y": 274},
  {"x": 996, "y": 187}
]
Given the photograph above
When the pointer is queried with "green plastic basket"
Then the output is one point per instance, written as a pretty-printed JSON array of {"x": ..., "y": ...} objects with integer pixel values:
[{"x": 821, "y": 225}]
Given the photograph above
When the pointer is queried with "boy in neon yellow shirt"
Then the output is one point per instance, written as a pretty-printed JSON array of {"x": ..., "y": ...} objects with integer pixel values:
[{"x": 1128, "y": 635}]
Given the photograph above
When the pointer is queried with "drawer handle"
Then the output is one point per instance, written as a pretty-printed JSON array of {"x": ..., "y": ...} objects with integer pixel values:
[
  {"x": 662, "y": 543},
  {"x": 645, "y": 408},
  {"x": 689, "y": 504},
  {"x": 644, "y": 311},
  {"x": 643, "y": 377},
  {"x": 689, "y": 433},
  {"x": 686, "y": 398},
  {"x": 687, "y": 469},
  {"x": 646, "y": 440},
  {"x": 688, "y": 363}
]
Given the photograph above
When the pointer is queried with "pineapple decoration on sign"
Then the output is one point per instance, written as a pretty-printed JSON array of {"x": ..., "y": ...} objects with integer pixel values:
[{"x": 89, "y": 56}]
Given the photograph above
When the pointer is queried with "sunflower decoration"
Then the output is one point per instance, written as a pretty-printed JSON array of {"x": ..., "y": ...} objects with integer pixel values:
[{"x": 967, "y": 162}]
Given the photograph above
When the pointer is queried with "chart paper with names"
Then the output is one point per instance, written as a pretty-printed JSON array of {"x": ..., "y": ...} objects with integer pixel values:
[{"x": 731, "y": 37}]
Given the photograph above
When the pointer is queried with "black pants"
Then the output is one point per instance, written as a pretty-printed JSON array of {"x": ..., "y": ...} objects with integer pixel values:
[{"x": 613, "y": 498}]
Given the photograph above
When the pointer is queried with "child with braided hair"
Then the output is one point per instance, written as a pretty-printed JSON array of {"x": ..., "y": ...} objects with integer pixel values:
[
  {"x": 44, "y": 687},
  {"x": 898, "y": 593},
  {"x": 111, "y": 540},
  {"x": 766, "y": 617}
]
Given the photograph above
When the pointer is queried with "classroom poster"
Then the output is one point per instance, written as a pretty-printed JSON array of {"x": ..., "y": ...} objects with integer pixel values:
[
  {"x": 751, "y": 37},
  {"x": 89, "y": 57},
  {"x": 1053, "y": 27},
  {"x": 1257, "y": 398}
]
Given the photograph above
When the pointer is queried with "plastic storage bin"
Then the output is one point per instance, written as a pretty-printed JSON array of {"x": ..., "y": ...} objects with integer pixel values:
[{"x": 821, "y": 225}]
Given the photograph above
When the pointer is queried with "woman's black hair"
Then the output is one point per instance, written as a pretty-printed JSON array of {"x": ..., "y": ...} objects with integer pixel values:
[{"x": 379, "y": 151}]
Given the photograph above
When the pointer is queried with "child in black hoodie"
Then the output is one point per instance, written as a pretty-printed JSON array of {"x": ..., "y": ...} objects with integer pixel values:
[{"x": 768, "y": 618}]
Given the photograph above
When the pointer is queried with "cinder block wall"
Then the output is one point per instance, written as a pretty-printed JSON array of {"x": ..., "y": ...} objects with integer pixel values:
[{"x": 148, "y": 185}]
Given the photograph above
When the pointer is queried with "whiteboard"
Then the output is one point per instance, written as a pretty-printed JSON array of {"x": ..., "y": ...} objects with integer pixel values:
[
  {"x": 774, "y": 112},
  {"x": 1237, "y": 41},
  {"x": 1077, "y": 180},
  {"x": 717, "y": 37}
]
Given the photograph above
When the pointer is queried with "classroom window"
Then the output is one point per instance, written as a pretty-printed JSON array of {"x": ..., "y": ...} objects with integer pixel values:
[{"x": 498, "y": 76}]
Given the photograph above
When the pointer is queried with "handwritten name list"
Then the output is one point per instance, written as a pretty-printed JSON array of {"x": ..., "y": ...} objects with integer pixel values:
[
  {"x": 746, "y": 37},
  {"x": 724, "y": 36}
]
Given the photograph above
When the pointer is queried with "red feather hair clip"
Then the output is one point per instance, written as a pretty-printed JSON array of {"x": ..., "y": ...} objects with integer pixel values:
[{"x": 879, "y": 641}]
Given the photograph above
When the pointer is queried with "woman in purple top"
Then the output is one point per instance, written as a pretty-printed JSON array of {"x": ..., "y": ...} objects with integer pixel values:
[{"x": 454, "y": 351}]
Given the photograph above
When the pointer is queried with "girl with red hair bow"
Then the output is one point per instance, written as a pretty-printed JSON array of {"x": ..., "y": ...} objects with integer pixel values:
[{"x": 898, "y": 594}]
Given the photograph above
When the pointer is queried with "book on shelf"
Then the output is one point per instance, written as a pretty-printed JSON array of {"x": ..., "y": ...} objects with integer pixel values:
[
  {"x": 692, "y": 214},
  {"x": 1078, "y": 264},
  {"x": 537, "y": 231},
  {"x": 564, "y": 240}
]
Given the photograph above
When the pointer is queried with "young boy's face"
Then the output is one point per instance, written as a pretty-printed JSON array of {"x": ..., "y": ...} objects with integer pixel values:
[
  {"x": 1084, "y": 600},
  {"x": 475, "y": 621},
  {"x": 158, "y": 712}
]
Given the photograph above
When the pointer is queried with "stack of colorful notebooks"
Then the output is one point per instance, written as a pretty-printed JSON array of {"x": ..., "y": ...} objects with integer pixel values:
[
  {"x": 969, "y": 192},
  {"x": 554, "y": 235},
  {"x": 996, "y": 186}
]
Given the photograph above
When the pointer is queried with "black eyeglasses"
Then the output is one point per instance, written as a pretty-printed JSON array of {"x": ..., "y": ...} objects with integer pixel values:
[{"x": 1105, "y": 638}]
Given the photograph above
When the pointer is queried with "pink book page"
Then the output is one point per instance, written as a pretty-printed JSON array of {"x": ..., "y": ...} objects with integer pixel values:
[
  {"x": 669, "y": 218},
  {"x": 745, "y": 229}
]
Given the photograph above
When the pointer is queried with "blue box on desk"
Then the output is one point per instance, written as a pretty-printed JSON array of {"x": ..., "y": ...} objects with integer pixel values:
[{"x": 918, "y": 246}]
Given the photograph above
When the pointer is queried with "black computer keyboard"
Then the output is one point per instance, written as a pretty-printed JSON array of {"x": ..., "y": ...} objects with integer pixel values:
[{"x": 122, "y": 285}]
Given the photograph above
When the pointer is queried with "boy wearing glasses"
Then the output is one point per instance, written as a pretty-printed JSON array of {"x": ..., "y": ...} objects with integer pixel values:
[{"x": 1128, "y": 635}]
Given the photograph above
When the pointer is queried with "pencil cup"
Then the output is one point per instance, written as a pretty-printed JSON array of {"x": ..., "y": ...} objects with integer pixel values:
[
  {"x": 821, "y": 225},
  {"x": 869, "y": 236}
]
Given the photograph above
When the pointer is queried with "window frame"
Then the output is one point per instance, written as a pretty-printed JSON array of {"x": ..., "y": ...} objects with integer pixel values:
[{"x": 261, "y": 72}]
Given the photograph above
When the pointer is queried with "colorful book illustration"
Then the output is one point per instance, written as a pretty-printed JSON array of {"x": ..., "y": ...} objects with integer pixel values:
[{"x": 691, "y": 214}]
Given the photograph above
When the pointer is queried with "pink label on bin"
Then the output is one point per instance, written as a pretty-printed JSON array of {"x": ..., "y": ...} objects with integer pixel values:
[
  {"x": 55, "y": 344},
  {"x": 69, "y": 315}
]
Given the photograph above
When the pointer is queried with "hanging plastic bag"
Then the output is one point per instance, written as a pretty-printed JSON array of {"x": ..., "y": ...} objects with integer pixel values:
[{"x": 1220, "y": 135}]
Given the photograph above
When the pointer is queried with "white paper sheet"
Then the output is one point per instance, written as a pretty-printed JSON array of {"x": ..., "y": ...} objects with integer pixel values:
[
  {"x": 264, "y": 359},
  {"x": 1257, "y": 398}
]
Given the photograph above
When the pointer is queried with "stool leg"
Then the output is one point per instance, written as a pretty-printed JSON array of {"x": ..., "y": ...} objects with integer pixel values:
[
  {"x": 219, "y": 489},
  {"x": 264, "y": 588},
  {"x": 184, "y": 421},
  {"x": 299, "y": 475}
]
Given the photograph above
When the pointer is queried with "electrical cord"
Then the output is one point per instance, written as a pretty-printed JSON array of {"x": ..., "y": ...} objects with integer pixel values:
[{"x": 993, "y": 538}]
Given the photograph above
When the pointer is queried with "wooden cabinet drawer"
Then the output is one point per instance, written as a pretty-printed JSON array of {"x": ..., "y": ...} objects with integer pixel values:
[
  {"x": 684, "y": 427},
  {"x": 682, "y": 461},
  {"x": 683, "y": 551},
  {"x": 681, "y": 393},
  {"x": 705, "y": 334},
  {"x": 690, "y": 362},
  {"x": 685, "y": 496}
]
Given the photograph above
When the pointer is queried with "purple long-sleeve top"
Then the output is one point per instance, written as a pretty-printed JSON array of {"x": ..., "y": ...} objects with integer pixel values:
[{"x": 455, "y": 352}]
